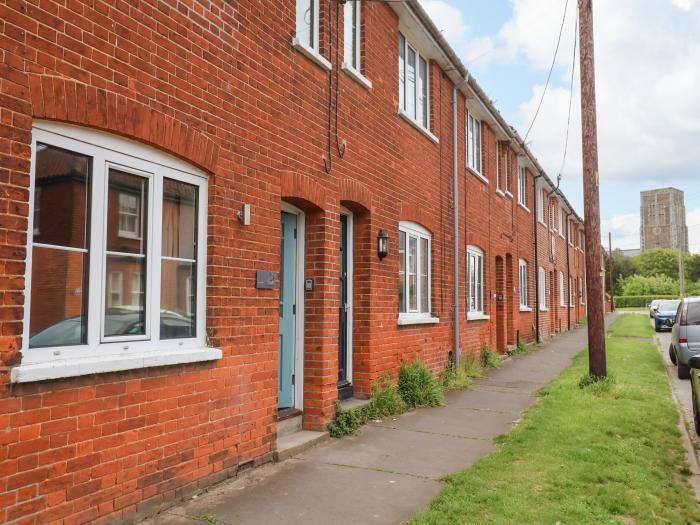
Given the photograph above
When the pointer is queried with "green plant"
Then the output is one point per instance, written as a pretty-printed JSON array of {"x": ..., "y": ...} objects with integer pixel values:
[
  {"x": 520, "y": 348},
  {"x": 418, "y": 387},
  {"x": 460, "y": 377},
  {"x": 385, "y": 402},
  {"x": 206, "y": 518},
  {"x": 638, "y": 301},
  {"x": 596, "y": 385},
  {"x": 489, "y": 358}
]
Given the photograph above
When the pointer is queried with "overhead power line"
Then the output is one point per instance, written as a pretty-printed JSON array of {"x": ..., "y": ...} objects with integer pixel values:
[
  {"x": 549, "y": 75},
  {"x": 571, "y": 98}
]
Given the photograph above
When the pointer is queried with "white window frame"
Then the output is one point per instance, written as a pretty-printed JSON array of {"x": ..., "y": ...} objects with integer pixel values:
[
  {"x": 508, "y": 183},
  {"x": 403, "y": 111},
  {"x": 562, "y": 298},
  {"x": 474, "y": 144},
  {"x": 561, "y": 221},
  {"x": 580, "y": 289},
  {"x": 100, "y": 355},
  {"x": 416, "y": 316},
  {"x": 542, "y": 289},
  {"x": 542, "y": 196},
  {"x": 522, "y": 187},
  {"x": 523, "y": 282},
  {"x": 571, "y": 292},
  {"x": 312, "y": 40},
  {"x": 477, "y": 285},
  {"x": 353, "y": 60}
]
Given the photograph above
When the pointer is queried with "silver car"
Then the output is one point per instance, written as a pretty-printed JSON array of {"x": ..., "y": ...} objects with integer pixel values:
[{"x": 685, "y": 335}]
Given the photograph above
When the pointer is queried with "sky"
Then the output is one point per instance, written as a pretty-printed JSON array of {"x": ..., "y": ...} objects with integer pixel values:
[{"x": 647, "y": 56}]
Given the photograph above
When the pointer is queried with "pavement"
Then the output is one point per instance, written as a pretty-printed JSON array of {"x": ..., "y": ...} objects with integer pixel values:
[{"x": 393, "y": 468}]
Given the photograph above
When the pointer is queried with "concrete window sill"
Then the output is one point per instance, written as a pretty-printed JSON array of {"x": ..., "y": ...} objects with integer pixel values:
[
  {"x": 525, "y": 309},
  {"x": 477, "y": 316},
  {"x": 80, "y": 366},
  {"x": 357, "y": 76},
  {"x": 408, "y": 320},
  {"x": 311, "y": 54},
  {"x": 478, "y": 175},
  {"x": 420, "y": 128}
]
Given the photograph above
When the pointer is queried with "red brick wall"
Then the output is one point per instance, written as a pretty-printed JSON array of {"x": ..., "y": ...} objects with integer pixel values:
[{"x": 219, "y": 86}]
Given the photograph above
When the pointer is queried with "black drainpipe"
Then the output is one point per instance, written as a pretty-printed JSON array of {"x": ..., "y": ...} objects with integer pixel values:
[{"x": 537, "y": 262}]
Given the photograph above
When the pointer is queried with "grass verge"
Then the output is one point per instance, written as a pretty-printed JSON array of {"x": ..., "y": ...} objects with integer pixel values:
[
  {"x": 631, "y": 325},
  {"x": 586, "y": 453}
]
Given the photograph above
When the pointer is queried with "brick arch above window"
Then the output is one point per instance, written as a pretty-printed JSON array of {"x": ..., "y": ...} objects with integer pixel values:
[
  {"x": 65, "y": 100},
  {"x": 356, "y": 194},
  {"x": 412, "y": 212}
]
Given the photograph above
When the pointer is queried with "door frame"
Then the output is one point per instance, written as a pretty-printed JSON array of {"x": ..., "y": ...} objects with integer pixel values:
[
  {"x": 349, "y": 283},
  {"x": 299, "y": 318}
]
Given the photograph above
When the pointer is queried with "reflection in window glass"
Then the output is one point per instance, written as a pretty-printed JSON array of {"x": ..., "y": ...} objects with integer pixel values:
[
  {"x": 126, "y": 254},
  {"x": 179, "y": 260},
  {"x": 411, "y": 83},
  {"x": 58, "y": 314},
  {"x": 412, "y": 273}
]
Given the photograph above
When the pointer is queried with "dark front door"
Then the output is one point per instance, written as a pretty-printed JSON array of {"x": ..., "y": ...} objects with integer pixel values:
[{"x": 344, "y": 384}]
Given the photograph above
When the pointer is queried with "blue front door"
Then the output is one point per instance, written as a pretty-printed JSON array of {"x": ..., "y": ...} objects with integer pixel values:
[{"x": 287, "y": 331}]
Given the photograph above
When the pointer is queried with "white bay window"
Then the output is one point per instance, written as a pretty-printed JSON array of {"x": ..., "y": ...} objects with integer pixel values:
[{"x": 111, "y": 275}]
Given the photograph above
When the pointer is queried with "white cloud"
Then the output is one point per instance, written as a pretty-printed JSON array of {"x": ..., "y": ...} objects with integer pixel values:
[
  {"x": 685, "y": 5},
  {"x": 624, "y": 228},
  {"x": 647, "y": 71}
]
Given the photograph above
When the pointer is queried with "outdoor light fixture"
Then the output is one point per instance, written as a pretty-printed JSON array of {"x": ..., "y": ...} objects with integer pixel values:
[{"x": 382, "y": 244}]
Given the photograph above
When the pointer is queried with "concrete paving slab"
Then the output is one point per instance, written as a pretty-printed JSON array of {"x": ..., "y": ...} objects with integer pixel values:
[
  {"x": 458, "y": 422},
  {"x": 403, "y": 451},
  {"x": 480, "y": 398},
  {"x": 311, "y": 493}
]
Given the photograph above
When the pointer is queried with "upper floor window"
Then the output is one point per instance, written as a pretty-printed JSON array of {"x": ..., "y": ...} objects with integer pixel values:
[
  {"x": 561, "y": 221},
  {"x": 552, "y": 215},
  {"x": 307, "y": 24},
  {"x": 507, "y": 161},
  {"x": 522, "y": 186},
  {"x": 580, "y": 290},
  {"x": 475, "y": 262},
  {"x": 571, "y": 292},
  {"x": 523, "y": 280},
  {"x": 108, "y": 273},
  {"x": 474, "y": 143},
  {"x": 353, "y": 35},
  {"x": 540, "y": 205},
  {"x": 413, "y": 83},
  {"x": 414, "y": 270}
]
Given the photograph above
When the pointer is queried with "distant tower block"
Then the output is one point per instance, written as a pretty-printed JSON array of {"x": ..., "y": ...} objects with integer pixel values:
[{"x": 662, "y": 222}]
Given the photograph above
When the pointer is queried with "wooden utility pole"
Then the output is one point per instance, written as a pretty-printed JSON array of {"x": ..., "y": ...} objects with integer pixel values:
[
  {"x": 591, "y": 196},
  {"x": 610, "y": 271}
]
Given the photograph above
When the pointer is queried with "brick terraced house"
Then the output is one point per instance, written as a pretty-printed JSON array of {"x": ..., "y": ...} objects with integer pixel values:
[{"x": 218, "y": 215}]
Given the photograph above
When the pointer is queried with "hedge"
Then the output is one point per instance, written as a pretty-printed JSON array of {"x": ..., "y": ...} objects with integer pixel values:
[{"x": 638, "y": 301}]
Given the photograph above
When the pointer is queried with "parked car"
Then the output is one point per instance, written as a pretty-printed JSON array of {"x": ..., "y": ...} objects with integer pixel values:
[
  {"x": 653, "y": 306},
  {"x": 685, "y": 335},
  {"x": 665, "y": 316},
  {"x": 694, "y": 364}
]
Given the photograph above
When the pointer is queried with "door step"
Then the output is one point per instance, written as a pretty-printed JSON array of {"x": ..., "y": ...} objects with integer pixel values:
[
  {"x": 352, "y": 403},
  {"x": 288, "y": 425},
  {"x": 297, "y": 442}
]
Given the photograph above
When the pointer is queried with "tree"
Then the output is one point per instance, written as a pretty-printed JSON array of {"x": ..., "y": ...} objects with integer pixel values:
[
  {"x": 643, "y": 285},
  {"x": 622, "y": 267},
  {"x": 663, "y": 261}
]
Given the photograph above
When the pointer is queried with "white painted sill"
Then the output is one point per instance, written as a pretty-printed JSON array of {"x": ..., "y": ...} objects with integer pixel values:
[
  {"x": 521, "y": 205},
  {"x": 525, "y": 309},
  {"x": 477, "y": 316},
  {"x": 408, "y": 320},
  {"x": 499, "y": 192},
  {"x": 80, "y": 366},
  {"x": 508, "y": 194},
  {"x": 544, "y": 309},
  {"x": 478, "y": 175},
  {"x": 356, "y": 76},
  {"x": 420, "y": 128},
  {"x": 311, "y": 54}
]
